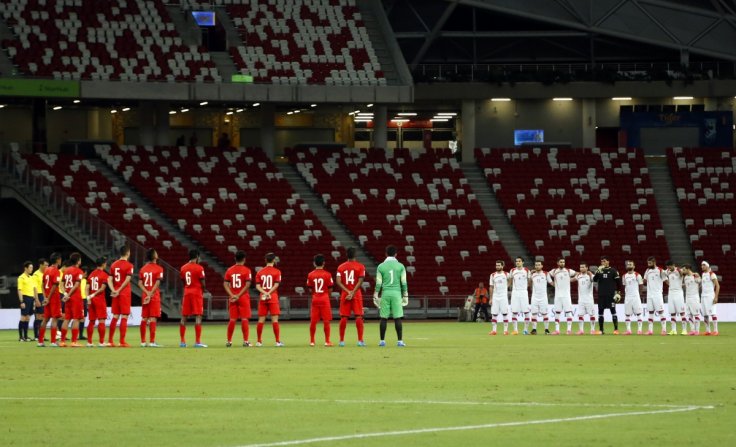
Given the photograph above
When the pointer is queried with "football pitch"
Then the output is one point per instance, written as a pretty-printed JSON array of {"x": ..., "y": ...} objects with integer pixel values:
[{"x": 452, "y": 385}]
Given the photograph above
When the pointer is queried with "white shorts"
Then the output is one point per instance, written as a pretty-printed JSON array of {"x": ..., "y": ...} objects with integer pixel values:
[
  {"x": 632, "y": 306},
  {"x": 519, "y": 302},
  {"x": 500, "y": 306},
  {"x": 655, "y": 303},
  {"x": 707, "y": 307},
  {"x": 563, "y": 304},
  {"x": 540, "y": 306},
  {"x": 676, "y": 302},
  {"x": 692, "y": 307},
  {"x": 586, "y": 308}
]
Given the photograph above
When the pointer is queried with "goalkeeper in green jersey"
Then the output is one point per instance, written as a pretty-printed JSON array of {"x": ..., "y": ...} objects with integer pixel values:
[{"x": 391, "y": 294}]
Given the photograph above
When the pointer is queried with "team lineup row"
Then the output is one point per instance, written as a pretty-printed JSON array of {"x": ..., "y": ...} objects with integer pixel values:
[
  {"x": 691, "y": 296},
  {"x": 58, "y": 295}
]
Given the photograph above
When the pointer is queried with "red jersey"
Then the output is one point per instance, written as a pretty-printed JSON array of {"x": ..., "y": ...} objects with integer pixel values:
[
  {"x": 320, "y": 281},
  {"x": 120, "y": 270},
  {"x": 268, "y": 277},
  {"x": 349, "y": 273},
  {"x": 192, "y": 274},
  {"x": 95, "y": 280},
  {"x": 237, "y": 276},
  {"x": 149, "y": 274},
  {"x": 72, "y": 275},
  {"x": 50, "y": 279}
]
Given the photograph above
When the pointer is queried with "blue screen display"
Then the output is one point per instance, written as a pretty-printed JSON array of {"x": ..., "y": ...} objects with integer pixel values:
[
  {"x": 204, "y": 18},
  {"x": 528, "y": 136}
]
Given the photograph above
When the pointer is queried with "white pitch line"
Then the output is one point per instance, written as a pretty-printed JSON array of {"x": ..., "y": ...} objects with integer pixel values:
[
  {"x": 472, "y": 427},
  {"x": 344, "y": 401}
]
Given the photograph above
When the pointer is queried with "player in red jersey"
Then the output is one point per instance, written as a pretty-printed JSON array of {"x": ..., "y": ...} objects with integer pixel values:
[
  {"x": 237, "y": 283},
  {"x": 192, "y": 273},
  {"x": 121, "y": 274},
  {"x": 74, "y": 307},
  {"x": 96, "y": 304},
  {"x": 150, "y": 277},
  {"x": 350, "y": 277},
  {"x": 320, "y": 282},
  {"x": 267, "y": 284},
  {"x": 51, "y": 300}
]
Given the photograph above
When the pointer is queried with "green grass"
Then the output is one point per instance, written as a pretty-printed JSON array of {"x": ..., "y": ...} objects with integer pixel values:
[{"x": 451, "y": 375}]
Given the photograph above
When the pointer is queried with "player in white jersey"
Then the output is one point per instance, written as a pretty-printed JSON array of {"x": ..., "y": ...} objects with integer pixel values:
[
  {"x": 654, "y": 278},
  {"x": 586, "y": 303},
  {"x": 675, "y": 298},
  {"x": 710, "y": 288},
  {"x": 499, "y": 291},
  {"x": 560, "y": 278},
  {"x": 520, "y": 279},
  {"x": 691, "y": 283},
  {"x": 539, "y": 307},
  {"x": 632, "y": 297}
]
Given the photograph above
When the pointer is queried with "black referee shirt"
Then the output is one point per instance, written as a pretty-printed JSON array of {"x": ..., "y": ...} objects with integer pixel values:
[{"x": 608, "y": 281}]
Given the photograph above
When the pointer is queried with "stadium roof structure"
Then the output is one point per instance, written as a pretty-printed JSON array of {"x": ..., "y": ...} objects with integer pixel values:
[{"x": 563, "y": 31}]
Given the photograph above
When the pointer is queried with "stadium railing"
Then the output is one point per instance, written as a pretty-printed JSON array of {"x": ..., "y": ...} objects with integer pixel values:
[
  {"x": 106, "y": 236},
  {"x": 573, "y": 72}
]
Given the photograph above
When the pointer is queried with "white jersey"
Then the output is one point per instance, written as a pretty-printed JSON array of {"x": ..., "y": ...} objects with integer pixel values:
[
  {"x": 561, "y": 281},
  {"x": 539, "y": 285},
  {"x": 585, "y": 287},
  {"x": 500, "y": 283},
  {"x": 654, "y": 279},
  {"x": 632, "y": 281},
  {"x": 692, "y": 287},
  {"x": 520, "y": 277},
  {"x": 674, "y": 280},
  {"x": 708, "y": 284}
]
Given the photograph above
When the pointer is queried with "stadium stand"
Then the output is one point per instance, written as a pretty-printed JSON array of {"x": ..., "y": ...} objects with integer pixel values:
[
  {"x": 577, "y": 203},
  {"x": 417, "y": 200},
  {"x": 132, "y": 40},
  {"x": 228, "y": 201},
  {"x": 704, "y": 179},
  {"x": 303, "y": 42},
  {"x": 79, "y": 178}
]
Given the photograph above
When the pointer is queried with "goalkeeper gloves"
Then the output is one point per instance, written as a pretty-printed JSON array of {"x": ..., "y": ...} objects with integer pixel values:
[
  {"x": 617, "y": 298},
  {"x": 376, "y": 300},
  {"x": 404, "y": 300}
]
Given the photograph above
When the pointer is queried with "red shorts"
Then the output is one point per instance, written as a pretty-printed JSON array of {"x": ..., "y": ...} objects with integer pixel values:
[
  {"x": 192, "y": 305},
  {"x": 321, "y": 310},
  {"x": 53, "y": 308},
  {"x": 355, "y": 306},
  {"x": 269, "y": 307},
  {"x": 97, "y": 309},
  {"x": 152, "y": 309},
  {"x": 74, "y": 309},
  {"x": 241, "y": 308},
  {"x": 121, "y": 305}
]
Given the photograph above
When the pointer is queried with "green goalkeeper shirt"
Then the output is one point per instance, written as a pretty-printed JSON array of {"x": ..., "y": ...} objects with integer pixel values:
[{"x": 391, "y": 277}]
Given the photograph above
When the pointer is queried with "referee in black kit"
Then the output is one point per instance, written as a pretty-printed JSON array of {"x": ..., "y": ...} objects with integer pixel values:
[{"x": 609, "y": 283}]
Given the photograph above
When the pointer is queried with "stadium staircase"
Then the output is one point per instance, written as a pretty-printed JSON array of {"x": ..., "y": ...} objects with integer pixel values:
[
  {"x": 186, "y": 27},
  {"x": 231, "y": 31},
  {"x": 669, "y": 211},
  {"x": 155, "y": 215},
  {"x": 90, "y": 235},
  {"x": 578, "y": 203},
  {"x": 704, "y": 179},
  {"x": 381, "y": 35},
  {"x": 325, "y": 216},
  {"x": 494, "y": 213},
  {"x": 417, "y": 200},
  {"x": 6, "y": 65}
]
